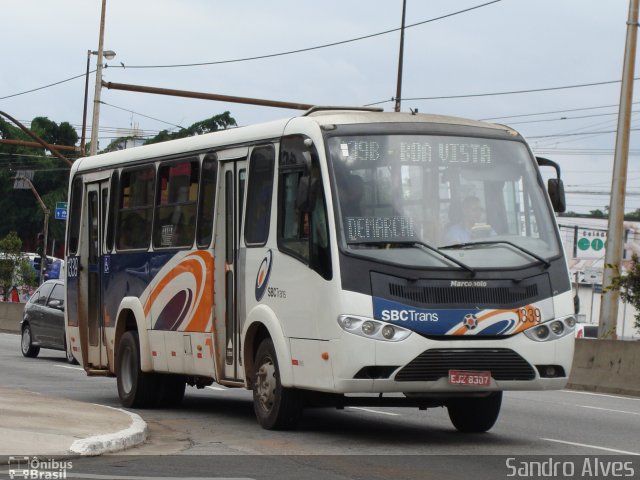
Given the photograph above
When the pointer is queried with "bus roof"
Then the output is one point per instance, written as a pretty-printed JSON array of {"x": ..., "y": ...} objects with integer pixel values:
[{"x": 264, "y": 131}]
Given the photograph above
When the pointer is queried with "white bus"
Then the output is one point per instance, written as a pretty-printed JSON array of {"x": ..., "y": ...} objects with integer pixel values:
[{"x": 342, "y": 257}]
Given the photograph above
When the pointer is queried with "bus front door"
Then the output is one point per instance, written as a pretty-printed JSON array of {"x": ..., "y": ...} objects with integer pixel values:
[
  {"x": 90, "y": 276},
  {"x": 227, "y": 274}
]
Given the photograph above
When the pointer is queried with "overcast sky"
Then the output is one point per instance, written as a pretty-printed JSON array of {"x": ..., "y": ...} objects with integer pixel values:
[{"x": 507, "y": 46}]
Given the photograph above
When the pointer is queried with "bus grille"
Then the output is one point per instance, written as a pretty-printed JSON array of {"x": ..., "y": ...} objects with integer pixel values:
[
  {"x": 431, "y": 365},
  {"x": 464, "y": 296}
]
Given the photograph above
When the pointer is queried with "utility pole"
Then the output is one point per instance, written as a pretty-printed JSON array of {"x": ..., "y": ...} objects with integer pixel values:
[
  {"x": 614, "y": 247},
  {"x": 95, "y": 122},
  {"x": 400, "y": 59}
]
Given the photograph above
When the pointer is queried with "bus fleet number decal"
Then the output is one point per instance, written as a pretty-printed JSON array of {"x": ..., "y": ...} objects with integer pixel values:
[{"x": 529, "y": 315}]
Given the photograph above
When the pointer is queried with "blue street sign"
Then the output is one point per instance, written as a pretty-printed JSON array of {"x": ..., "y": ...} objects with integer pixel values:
[{"x": 61, "y": 213}]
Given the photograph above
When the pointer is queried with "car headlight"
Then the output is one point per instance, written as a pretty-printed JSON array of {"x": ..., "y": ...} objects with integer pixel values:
[
  {"x": 551, "y": 330},
  {"x": 369, "y": 328}
]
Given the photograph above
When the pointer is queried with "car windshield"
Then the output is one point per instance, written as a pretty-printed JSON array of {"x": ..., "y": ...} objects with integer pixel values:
[{"x": 478, "y": 200}]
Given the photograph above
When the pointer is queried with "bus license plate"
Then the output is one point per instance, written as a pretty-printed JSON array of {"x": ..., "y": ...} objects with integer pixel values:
[{"x": 472, "y": 378}]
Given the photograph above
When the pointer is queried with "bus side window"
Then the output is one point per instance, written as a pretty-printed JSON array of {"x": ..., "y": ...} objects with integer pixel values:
[
  {"x": 175, "y": 219},
  {"x": 74, "y": 215},
  {"x": 259, "y": 192},
  {"x": 302, "y": 226},
  {"x": 135, "y": 208},
  {"x": 207, "y": 199}
]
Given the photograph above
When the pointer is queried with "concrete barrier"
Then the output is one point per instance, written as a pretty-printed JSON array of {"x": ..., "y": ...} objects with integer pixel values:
[
  {"x": 610, "y": 366},
  {"x": 10, "y": 316}
]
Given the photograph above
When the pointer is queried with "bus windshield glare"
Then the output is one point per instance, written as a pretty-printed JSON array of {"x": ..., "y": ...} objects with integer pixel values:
[{"x": 465, "y": 196}]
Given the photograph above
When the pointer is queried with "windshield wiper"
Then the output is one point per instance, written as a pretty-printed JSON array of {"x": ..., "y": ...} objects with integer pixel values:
[
  {"x": 413, "y": 243},
  {"x": 458, "y": 246}
]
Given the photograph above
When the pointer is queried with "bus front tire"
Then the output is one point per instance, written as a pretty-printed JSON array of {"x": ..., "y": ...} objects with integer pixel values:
[
  {"x": 137, "y": 389},
  {"x": 473, "y": 414},
  {"x": 276, "y": 407}
]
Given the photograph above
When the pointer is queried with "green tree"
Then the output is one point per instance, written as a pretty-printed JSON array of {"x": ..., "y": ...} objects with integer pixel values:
[
  {"x": 15, "y": 269},
  {"x": 628, "y": 284},
  {"x": 213, "y": 124},
  {"x": 20, "y": 210}
]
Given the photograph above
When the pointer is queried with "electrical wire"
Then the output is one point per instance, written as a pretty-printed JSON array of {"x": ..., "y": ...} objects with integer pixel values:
[
  {"x": 260, "y": 57},
  {"x": 554, "y": 111},
  {"x": 491, "y": 94},
  {"x": 46, "y": 86},
  {"x": 141, "y": 114},
  {"x": 317, "y": 47}
]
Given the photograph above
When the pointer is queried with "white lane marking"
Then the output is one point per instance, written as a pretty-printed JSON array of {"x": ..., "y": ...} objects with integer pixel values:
[
  {"x": 216, "y": 388},
  {"x": 374, "y": 411},
  {"x": 609, "y": 410},
  {"x": 600, "y": 395},
  {"x": 70, "y": 367},
  {"x": 596, "y": 447}
]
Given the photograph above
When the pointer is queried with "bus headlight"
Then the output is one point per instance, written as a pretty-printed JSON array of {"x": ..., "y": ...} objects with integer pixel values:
[
  {"x": 551, "y": 330},
  {"x": 374, "y": 329}
]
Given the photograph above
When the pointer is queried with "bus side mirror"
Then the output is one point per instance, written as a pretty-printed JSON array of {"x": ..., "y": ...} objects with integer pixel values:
[
  {"x": 555, "y": 187},
  {"x": 556, "y": 194}
]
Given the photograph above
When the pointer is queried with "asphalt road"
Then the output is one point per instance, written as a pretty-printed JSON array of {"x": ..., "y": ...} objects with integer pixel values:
[{"x": 214, "y": 434}]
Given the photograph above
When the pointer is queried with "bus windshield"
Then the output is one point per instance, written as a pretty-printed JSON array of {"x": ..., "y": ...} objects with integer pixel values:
[{"x": 477, "y": 200}]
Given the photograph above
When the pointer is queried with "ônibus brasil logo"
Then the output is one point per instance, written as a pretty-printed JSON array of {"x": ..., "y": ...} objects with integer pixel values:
[{"x": 262, "y": 278}]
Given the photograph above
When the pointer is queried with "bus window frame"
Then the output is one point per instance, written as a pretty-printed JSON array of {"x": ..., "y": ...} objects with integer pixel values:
[
  {"x": 188, "y": 158},
  {"x": 152, "y": 165},
  {"x": 250, "y": 196}
]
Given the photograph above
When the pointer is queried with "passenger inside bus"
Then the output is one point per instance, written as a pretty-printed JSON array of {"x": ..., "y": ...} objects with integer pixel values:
[
  {"x": 351, "y": 189},
  {"x": 466, "y": 222}
]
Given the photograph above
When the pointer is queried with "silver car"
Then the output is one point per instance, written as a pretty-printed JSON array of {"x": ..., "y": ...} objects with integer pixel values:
[{"x": 43, "y": 321}]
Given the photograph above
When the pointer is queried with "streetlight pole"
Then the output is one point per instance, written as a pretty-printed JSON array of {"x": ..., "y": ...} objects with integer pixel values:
[
  {"x": 96, "y": 97},
  {"x": 109, "y": 55},
  {"x": 84, "y": 111}
]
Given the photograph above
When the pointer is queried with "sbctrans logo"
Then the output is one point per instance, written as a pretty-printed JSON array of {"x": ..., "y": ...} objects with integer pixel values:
[
  {"x": 36, "y": 468},
  {"x": 262, "y": 278}
]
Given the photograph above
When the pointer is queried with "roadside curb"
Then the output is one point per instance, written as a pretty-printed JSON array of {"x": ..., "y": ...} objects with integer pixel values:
[{"x": 132, "y": 436}]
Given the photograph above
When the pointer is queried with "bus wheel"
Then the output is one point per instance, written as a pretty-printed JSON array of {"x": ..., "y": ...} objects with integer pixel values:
[
  {"x": 137, "y": 389},
  {"x": 172, "y": 390},
  {"x": 26, "y": 345},
  {"x": 276, "y": 407},
  {"x": 475, "y": 414}
]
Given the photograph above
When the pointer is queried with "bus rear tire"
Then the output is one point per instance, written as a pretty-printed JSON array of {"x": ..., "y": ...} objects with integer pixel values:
[
  {"x": 276, "y": 407},
  {"x": 475, "y": 414},
  {"x": 137, "y": 389}
]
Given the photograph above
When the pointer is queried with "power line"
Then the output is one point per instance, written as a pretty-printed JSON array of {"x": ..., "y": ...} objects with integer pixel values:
[
  {"x": 512, "y": 92},
  {"x": 45, "y": 86},
  {"x": 141, "y": 115},
  {"x": 554, "y": 111},
  {"x": 317, "y": 47},
  {"x": 580, "y": 133},
  {"x": 260, "y": 57}
]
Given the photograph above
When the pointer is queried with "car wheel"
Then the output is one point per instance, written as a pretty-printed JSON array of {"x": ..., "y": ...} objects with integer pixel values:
[
  {"x": 276, "y": 407},
  {"x": 475, "y": 414},
  {"x": 27, "y": 347},
  {"x": 137, "y": 389}
]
